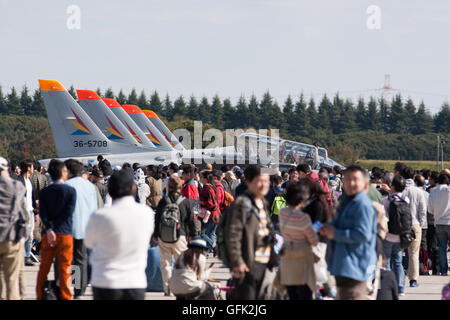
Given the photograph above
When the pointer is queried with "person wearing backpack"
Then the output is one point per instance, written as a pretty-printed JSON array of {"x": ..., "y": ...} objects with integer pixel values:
[
  {"x": 174, "y": 224},
  {"x": 190, "y": 191},
  {"x": 13, "y": 231},
  {"x": 276, "y": 199},
  {"x": 398, "y": 209},
  {"x": 249, "y": 237},
  {"x": 209, "y": 209},
  {"x": 419, "y": 215}
]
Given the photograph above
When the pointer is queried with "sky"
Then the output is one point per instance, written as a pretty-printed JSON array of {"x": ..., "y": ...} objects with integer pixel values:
[{"x": 231, "y": 47}]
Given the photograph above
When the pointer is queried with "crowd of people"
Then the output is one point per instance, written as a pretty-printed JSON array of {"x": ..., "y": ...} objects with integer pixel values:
[{"x": 300, "y": 234}]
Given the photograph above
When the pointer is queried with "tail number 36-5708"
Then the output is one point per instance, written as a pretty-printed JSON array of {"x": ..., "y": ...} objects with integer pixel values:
[{"x": 90, "y": 144}]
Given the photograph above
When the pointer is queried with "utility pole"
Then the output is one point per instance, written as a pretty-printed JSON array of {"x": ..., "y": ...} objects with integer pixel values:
[
  {"x": 437, "y": 159},
  {"x": 442, "y": 153}
]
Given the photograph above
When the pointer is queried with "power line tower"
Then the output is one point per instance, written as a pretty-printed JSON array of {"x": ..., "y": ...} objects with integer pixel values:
[{"x": 386, "y": 91}]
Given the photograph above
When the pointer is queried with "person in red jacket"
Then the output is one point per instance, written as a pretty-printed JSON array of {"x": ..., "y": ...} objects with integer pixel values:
[
  {"x": 189, "y": 189},
  {"x": 220, "y": 190},
  {"x": 304, "y": 170}
]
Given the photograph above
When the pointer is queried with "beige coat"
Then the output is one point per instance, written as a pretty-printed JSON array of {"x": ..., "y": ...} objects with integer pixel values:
[
  {"x": 297, "y": 265},
  {"x": 155, "y": 191}
]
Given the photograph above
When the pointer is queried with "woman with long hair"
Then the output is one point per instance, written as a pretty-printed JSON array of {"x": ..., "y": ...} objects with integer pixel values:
[
  {"x": 319, "y": 211},
  {"x": 297, "y": 261}
]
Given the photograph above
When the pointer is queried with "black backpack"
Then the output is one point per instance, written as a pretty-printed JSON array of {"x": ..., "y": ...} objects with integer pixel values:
[{"x": 400, "y": 220}]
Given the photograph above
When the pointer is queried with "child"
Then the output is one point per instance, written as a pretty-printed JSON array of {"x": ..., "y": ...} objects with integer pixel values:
[
  {"x": 189, "y": 278},
  {"x": 388, "y": 284}
]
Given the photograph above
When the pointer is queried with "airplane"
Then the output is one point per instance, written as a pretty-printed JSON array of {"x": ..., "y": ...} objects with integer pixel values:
[
  {"x": 76, "y": 135},
  {"x": 107, "y": 121},
  {"x": 159, "y": 124},
  {"x": 152, "y": 133},
  {"x": 288, "y": 150},
  {"x": 218, "y": 154},
  {"x": 118, "y": 111}
]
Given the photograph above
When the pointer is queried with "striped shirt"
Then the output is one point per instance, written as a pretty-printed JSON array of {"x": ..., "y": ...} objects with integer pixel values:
[
  {"x": 296, "y": 225},
  {"x": 262, "y": 253}
]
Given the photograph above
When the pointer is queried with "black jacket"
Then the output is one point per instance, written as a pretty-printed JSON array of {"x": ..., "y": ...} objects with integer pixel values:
[
  {"x": 388, "y": 286},
  {"x": 188, "y": 227},
  {"x": 56, "y": 204},
  {"x": 105, "y": 167}
]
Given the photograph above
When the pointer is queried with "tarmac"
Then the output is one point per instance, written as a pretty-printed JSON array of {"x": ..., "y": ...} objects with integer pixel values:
[{"x": 430, "y": 287}]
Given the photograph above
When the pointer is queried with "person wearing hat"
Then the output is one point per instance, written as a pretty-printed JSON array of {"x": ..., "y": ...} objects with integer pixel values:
[
  {"x": 11, "y": 242},
  {"x": 189, "y": 278},
  {"x": 143, "y": 189},
  {"x": 97, "y": 179}
]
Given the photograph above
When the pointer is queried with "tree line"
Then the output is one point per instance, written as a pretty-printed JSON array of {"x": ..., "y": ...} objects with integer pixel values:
[
  {"x": 328, "y": 120},
  {"x": 295, "y": 117}
]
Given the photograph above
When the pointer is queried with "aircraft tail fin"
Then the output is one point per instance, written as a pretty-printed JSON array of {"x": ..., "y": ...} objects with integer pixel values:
[
  {"x": 147, "y": 127},
  {"x": 74, "y": 132},
  {"x": 106, "y": 120},
  {"x": 128, "y": 122},
  {"x": 159, "y": 124}
]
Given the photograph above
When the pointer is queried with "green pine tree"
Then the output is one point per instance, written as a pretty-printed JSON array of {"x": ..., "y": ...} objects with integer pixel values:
[
  {"x": 267, "y": 112},
  {"x": 398, "y": 116},
  {"x": 423, "y": 122},
  {"x": 241, "y": 113},
  {"x": 442, "y": 119},
  {"x": 228, "y": 114},
  {"x": 324, "y": 115},
  {"x": 385, "y": 115},
  {"x": 192, "y": 112},
  {"x": 300, "y": 118},
  {"x": 253, "y": 114},
  {"x": 203, "y": 110},
  {"x": 313, "y": 115},
  {"x": 180, "y": 108},
  {"x": 109, "y": 93},
  {"x": 3, "y": 106},
  {"x": 155, "y": 103},
  {"x": 347, "y": 118},
  {"x": 337, "y": 109},
  {"x": 167, "y": 108},
  {"x": 361, "y": 114},
  {"x": 410, "y": 116},
  {"x": 132, "y": 97},
  {"x": 142, "y": 101},
  {"x": 372, "y": 121},
  {"x": 121, "y": 98},
  {"x": 288, "y": 114},
  {"x": 13, "y": 103},
  {"x": 217, "y": 113},
  {"x": 38, "y": 106},
  {"x": 99, "y": 92},
  {"x": 26, "y": 101}
]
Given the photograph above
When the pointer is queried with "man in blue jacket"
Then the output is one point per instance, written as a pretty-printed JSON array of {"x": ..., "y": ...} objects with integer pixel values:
[{"x": 353, "y": 233}]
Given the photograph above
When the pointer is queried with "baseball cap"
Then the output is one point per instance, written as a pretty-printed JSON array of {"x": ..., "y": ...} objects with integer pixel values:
[
  {"x": 3, "y": 163},
  {"x": 198, "y": 242}
]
